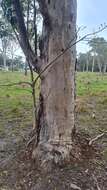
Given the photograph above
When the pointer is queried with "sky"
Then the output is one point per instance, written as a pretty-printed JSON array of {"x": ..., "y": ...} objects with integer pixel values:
[{"x": 91, "y": 13}]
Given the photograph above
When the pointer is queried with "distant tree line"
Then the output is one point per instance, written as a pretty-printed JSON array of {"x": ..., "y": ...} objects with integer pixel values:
[
  {"x": 94, "y": 60},
  {"x": 12, "y": 65}
]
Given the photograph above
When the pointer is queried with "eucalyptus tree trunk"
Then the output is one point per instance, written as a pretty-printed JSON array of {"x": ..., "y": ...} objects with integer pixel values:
[
  {"x": 93, "y": 63},
  {"x": 87, "y": 63},
  {"x": 56, "y": 115},
  {"x": 55, "y": 118},
  {"x": 99, "y": 64},
  {"x": 4, "y": 54},
  {"x": 4, "y": 58},
  {"x": 105, "y": 68},
  {"x": 25, "y": 70},
  {"x": 12, "y": 60}
]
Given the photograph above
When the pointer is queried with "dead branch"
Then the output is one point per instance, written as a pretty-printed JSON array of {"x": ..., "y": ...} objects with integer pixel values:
[
  {"x": 75, "y": 187},
  {"x": 96, "y": 138},
  {"x": 70, "y": 45}
]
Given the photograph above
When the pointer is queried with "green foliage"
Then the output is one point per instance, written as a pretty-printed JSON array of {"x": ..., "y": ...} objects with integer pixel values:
[
  {"x": 18, "y": 63},
  {"x": 98, "y": 53},
  {"x": 6, "y": 32},
  {"x": 98, "y": 45},
  {"x": 99, "y": 48},
  {"x": 31, "y": 16},
  {"x": 7, "y": 9},
  {"x": 81, "y": 62}
]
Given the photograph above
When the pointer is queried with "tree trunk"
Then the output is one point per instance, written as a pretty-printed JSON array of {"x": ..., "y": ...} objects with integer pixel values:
[
  {"x": 99, "y": 64},
  {"x": 4, "y": 58},
  {"x": 93, "y": 63},
  {"x": 105, "y": 68},
  {"x": 26, "y": 65},
  {"x": 56, "y": 114},
  {"x": 87, "y": 63},
  {"x": 83, "y": 68},
  {"x": 12, "y": 62}
]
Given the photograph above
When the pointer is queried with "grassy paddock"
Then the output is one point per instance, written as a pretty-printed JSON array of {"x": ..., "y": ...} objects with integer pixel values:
[
  {"x": 91, "y": 84},
  {"x": 16, "y": 101}
]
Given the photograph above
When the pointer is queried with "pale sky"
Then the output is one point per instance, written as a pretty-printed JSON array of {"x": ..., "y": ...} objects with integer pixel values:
[{"x": 91, "y": 13}]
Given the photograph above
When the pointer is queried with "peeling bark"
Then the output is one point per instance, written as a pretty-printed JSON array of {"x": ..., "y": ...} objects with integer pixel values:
[{"x": 56, "y": 119}]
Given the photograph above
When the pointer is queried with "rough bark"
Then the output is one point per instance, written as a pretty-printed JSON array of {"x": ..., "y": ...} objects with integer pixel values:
[
  {"x": 26, "y": 66},
  {"x": 56, "y": 117}
]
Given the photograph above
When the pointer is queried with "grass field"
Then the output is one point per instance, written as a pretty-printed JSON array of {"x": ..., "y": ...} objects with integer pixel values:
[
  {"x": 16, "y": 123},
  {"x": 91, "y": 84},
  {"x": 16, "y": 101}
]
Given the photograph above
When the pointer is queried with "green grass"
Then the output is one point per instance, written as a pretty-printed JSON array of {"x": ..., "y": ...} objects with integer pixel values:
[
  {"x": 91, "y": 84},
  {"x": 16, "y": 101}
]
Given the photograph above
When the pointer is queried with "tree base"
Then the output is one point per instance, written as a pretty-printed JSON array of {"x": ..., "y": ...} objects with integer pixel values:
[{"x": 49, "y": 155}]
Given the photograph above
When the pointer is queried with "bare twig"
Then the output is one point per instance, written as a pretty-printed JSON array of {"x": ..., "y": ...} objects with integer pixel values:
[
  {"x": 31, "y": 140},
  {"x": 62, "y": 53},
  {"x": 96, "y": 182},
  {"x": 103, "y": 131},
  {"x": 15, "y": 84},
  {"x": 96, "y": 138}
]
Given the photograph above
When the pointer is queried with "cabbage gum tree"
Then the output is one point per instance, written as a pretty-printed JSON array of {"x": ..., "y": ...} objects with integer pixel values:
[{"x": 55, "y": 121}]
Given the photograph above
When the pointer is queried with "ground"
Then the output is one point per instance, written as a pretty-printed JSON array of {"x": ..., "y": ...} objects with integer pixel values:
[{"x": 88, "y": 171}]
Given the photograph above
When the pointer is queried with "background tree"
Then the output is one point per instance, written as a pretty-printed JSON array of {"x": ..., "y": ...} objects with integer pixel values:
[
  {"x": 18, "y": 63},
  {"x": 96, "y": 59},
  {"x": 99, "y": 47},
  {"x": 6, "y": 35},
  {"x": 82, "y": 57},
  {"x": 13, "y": 51},
  {"x": 84, "y": 61}
]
